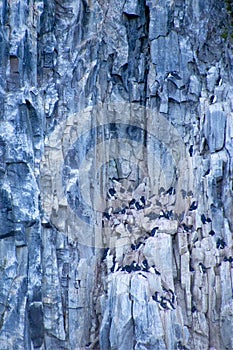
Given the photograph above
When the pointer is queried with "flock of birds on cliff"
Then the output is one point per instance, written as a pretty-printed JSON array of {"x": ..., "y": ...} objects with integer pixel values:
[{"x": 113, "y": 217}]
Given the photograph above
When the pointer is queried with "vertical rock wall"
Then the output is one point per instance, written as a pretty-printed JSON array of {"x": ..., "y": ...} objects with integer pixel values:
[{"x": 133, "y": 96}]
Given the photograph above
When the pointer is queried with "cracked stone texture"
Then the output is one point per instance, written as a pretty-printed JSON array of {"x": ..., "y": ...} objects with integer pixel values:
[{"x": 58, "y": 60}]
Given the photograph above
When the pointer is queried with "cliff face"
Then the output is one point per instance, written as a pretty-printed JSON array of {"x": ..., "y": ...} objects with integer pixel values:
[{"x": 116, "y": 132}]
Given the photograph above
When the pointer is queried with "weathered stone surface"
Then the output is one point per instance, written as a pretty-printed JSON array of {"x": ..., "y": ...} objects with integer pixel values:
[
  {"x": 135, "y": 96},
  {"x": 215, "y": 127}
]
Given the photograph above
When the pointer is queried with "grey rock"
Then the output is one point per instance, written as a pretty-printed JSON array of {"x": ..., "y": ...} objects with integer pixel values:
[
  {"x": 215, "y": 127},
  {"x": 163, "y": 61},
  {"x": 131, "y": 8},
  {"x": 160, "y": 73},
  {"x": 159, "y": 20}
]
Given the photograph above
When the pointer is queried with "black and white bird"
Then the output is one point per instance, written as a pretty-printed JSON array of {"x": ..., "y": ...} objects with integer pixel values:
[
  {"x": 220, "y": 244},
  {"x": 133, "y": 247},
  {"x": 207, "y": 172},
  {"x": 193, "y": 309},
  {"x": 153, "y": 270},
  {"x": 202, "y": 268},
  {"x": 112, "y": 193},
  {"x": 193, "y": 206},
  {"x": 106, "y": 215},
  {"x": 156, "y": 297},
  {"x": 173, "y": 298},
  {"x": 191, "y": 150},
  {"x": 171, "y": 191},
  {"x": 135, "y": 266},
  {"x": 213, "y": 99},
  {"x": 164, "y": 214},
  {"x": 127, "y": 268},
  {"x": 219, "y": 81},
  {"x": 186, "y": 228},
  {"x": 105, "y": 254},
  {"x": 139, "y": 245},
  {"x": 145, "y": 265},
  {"x": 170, "y": 305},
  {"x": 204, "y": 220},
  {"x": 142, "y": 201},
  {"x": 115, "y": 180},
  {"x": 153, "y": 231},
  {"x": 123, "y": 211},
  {"x": 115, "y": 265},
  {"x": 138, "y": 206},
  {"x": 230, "y": 259},
  {"x": 132, "y": 203},
  {"x": 173, "y": 75}
]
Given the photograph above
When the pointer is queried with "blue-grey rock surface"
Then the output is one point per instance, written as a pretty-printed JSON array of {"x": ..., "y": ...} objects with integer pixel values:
[{"x": 116, "y": 174}]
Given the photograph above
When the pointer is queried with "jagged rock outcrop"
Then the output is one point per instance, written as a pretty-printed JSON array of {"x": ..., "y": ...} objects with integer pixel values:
[{"x": 116, "y": 177}]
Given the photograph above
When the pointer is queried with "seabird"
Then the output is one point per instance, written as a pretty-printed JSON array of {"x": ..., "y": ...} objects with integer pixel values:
[
  {"x": 155, "y": 297},
  {"x": 123, "y": 211},
  {"x": 170, "y": 214},
  {"x": 204, "y": 220},
  {"x": 114, "y": 264},
  {"x": 156, "y": 271},
  {"x": 116, "y": 268},
  {"x": 164, "y": 214},
  {"x": 112, "y": 191},
  {"x": 138, "y": 206},
  {"x": 170, "y": 305},
  {"x": 145, "y": 265},
  {"x": 114, "y": 179},
  {"x": 211, "y": 233},
  {"x": 165, "y": 289},
  {"x": 153, "y": 231},
  {"x": 220, "y": 244},
  {"x": 126, "y": 268},
  {"x": 173, "y": 75},
  {"x": 171, "y": 191},
  {"x": 106, "y": 215},
  {"x": 105, "y": 254},
  {"x": 193, "y": 309},
  {"x": 151, "y": 270},
  {"x": 143, "y": 200},
  {"x": 135, "y": 266},
  {"x": 132, "y": 202},
  {"x": 191, "y": 269},
  {"x": 191, "y": 150},
  {"x": 180, "y": 346},
  {"x": 173, "y": 295},
  {"x": 219, "y": 81},
  {"x": 163, "y": 303},
  {"x": 213, "y": 99},
  {"x": 139, "y": 245},
  {"x": 117, "y": 211},
  {"x": 202, "y": 268},
  {"x": 207, "y": 172},
  {"x": 186, "y": 228},
  {"x": 193, "y": 206}
]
